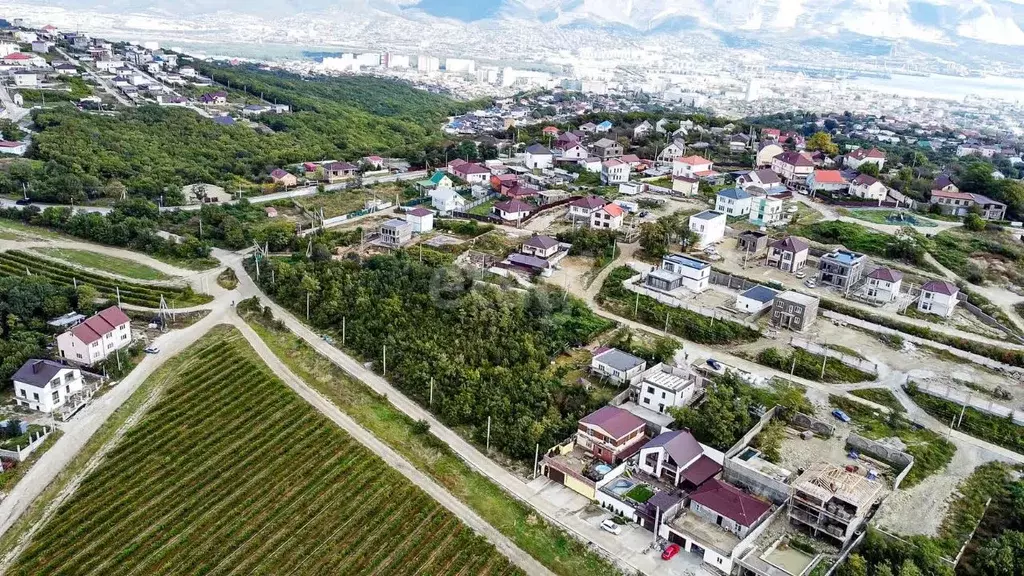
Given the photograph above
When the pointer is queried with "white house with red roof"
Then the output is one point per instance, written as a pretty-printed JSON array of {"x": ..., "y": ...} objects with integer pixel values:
[
  {"x": 97, "y": 338},
  {"x": 792, "y": 167},
  {"x": 827, "y": 181},
  {"x": 22, "y": 60},
  {"x": 692, "y": 167},
  {"x": 512, "y": 210},
  {"x": 421, "y": 219},
  {"x": 582, "y": 208},
  {"x": 573, "y": 151},
  {"x": 607, "y": 217},
  {"x": 883, "y": 284},
  {"x": 472, "y": 173},
  {"x": 938, "y": 297},
  {"x": 861, "y": 156},
  {"x": 13, "y": 147},
  {"x": 671, "y": 455},
  {"x": 611, "y": 434},
  {"x": 868, "y": 188},
  {"x": 614, "y": 171}
]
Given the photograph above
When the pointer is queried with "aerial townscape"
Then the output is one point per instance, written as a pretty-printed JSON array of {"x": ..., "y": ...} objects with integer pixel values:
[{"x": 330, "y": 303}]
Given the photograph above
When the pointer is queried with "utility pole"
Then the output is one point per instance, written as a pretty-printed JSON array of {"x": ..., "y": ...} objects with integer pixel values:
[
  {"x": 430, "y": 402},
  {"x": 307, "y": 306},
  {"x": 823, "y": 362},
  {"x": 962, "y": 410},
  {"x": 118, "y": 290},
  {"x": 488, "y": 434},
  {"x": 536, "y": 457},
  {"x": 666, "y": 322},
  {"x": 385, "y": 360},
  {"x": 342, "y": 330},
  {"x": 636, "y": 306}
]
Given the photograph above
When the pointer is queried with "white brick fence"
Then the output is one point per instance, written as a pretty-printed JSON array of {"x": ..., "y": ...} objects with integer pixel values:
[
  {"x": 975, "y": 400},
  {"x": 20, "y": 453},
  {"x": 634, "y": 284}
]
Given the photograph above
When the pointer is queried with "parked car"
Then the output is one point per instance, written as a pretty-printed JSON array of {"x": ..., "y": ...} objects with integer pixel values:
[
  {"x": 810, "y": 283},
  {"x": 24, "y": 201},
  {"x": 609, "y": 525},
  {"x": 840, "y": 415},
  {"x": 152, "y": 350},
  {"x": 715, "y": 364},
  {"x": 801, "y": 275},
  {"x": 670, "y": 551}
]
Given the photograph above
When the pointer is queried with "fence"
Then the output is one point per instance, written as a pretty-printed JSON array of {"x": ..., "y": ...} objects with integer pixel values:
[
  {"x": 677, "y": 303},
  {"x": 896, "y": 458},
  {"x": 336, "y": 220},
  {"x": 813, "y": 348},
  {"x": 971, "y": 399},
  {"x": 871, "y": 326},
  {"x": 736, "y": 282},
  {"x": 22, "y": 453},
  {"x": 986, "y": 319},
  {"x": 819, "y": 427}
]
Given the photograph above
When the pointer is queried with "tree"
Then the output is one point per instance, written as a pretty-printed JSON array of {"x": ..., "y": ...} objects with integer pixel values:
[
  {"x": 855, "y": 565},
  {"x": 974, "y": 222},
  {"x": 883, "y": 570},
  {"x": 910, "y": 569},
  {"x": 87, "y": 297},
  {"x": 654, "y": 239},
  {"x": 869, "y": 168},
  {"x": 1002, "y": 556},
  {"x": 822, "y": 141}
]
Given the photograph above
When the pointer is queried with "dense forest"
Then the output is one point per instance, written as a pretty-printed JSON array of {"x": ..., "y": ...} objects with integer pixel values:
[
  {"x": 153, "y": 151},
  {"x": 486, "y": 350}
]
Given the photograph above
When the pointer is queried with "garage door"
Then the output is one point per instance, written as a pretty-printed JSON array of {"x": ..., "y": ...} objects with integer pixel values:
[
  {"x": 677, "y": 539},
  {"x": 556, "y": 475},
  {"x": 697, "y": 550}
]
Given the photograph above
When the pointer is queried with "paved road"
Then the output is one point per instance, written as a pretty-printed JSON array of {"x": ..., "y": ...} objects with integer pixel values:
[
  {"x": 326, "y": 407},
  {"x": 287, "y": 194},
  {"x": 107, "y": 86}
]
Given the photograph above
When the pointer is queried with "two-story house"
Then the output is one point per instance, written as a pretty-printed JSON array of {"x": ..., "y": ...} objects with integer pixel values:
[
  {"x": 611, "y": 434},
  {"x": 767, "y": 211},
  {"x": 692, "y": 166},
  {"x": 538, "y": 157},
  {"x": 606, "y": 149},
  {"x": 788, "y": 254},
  {"x": 841, "y": 268},
  {"x": 680, "y": 271},
  {"x": 663, "y": 387},
  {"x": 832, "y": 501},
  {"x": 583, "y": 208},
  {"x": 614, "y": 172},
  {"x": 45, "y": 385},
  {"x": 883, "y": 284},
  {"x": 678, "y": 459},
  {"x": 97, "y": 338},
  {"x": 792, "y": 167},
  {"x": 608, "y": 217},
  {"x": 395, "y": 232},
  {"x": 793, "y": 310},
  {"x": 733, "y": 202},
  {"x": 938, "y": 297},
  {"x": 861, "y": 156},
  {"x": 472, "y": 173},
  {"x": 709, "y": 227},
  {"x": 616, "y": 366},
  {"x": 868, "y": 188}
]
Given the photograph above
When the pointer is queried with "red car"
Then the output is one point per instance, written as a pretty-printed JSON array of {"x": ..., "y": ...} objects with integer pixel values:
[{"x": 670, "y": 551}]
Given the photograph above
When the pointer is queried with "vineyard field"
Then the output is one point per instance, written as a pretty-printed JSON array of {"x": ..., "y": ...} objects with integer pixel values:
[
  {"x": 230, "y": 472},
  {"x": 18, "y": 263}
]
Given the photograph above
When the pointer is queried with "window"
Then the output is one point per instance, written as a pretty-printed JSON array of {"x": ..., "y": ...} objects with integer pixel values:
[
  {"x": 56, "y": 396},
  {"x": 650, "y": 389},
  {"x": 663, "y": 395},
  {"x": 23, "y": 393},
  {"x": 647, "y": 400},
  {"x": 35, "y": 396}
]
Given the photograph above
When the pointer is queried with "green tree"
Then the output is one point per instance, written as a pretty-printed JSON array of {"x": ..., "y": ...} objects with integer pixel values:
[
  {"x": 869, "y": 168},
  {"x": 974, "y": 222},
  {"x": 910, "y": 569},
  {"x": 822, "y": 141},
  {"x": 855, "y": 565},
  {"x": 883, "y": 570},
  {"x": 1002, "y": 556},
  {"x": 86, "y": 298}
]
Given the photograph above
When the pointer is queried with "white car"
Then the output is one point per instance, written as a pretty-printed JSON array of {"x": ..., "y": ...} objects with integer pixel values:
[
  {"x": 810, "y": 283},
  {"x": 609, "y": 525}
]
